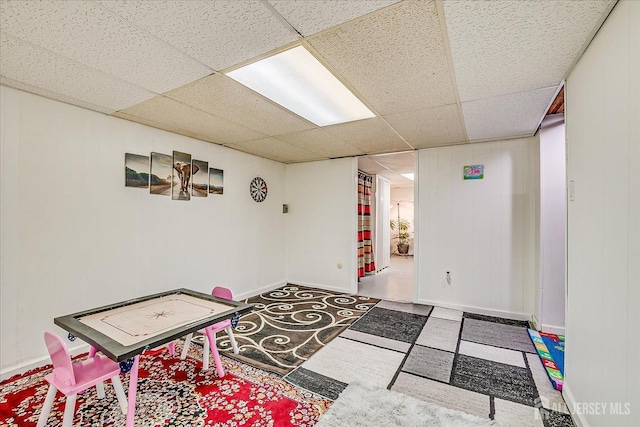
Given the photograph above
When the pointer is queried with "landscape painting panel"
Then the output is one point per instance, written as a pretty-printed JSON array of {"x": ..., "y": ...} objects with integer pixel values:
[
  {"x": 199, "y": 179},
  {"x": 216, "y": 181},
  {"x": 161, "y": 176},
  {"x": 136, "y": 168},
  {"x": 181, "y": 176}
]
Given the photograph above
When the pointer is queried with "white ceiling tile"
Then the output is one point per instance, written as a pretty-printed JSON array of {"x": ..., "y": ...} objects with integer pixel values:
[
  {"x": 370, "y": 136},
  {"x": 217, "y": 33},
  {"x": 506, "y": 46},
  {"x": 36, "y": 67},
  {"x": 395, "y": 58},
  {"x": 174, "y": 114},
  {"x": 163, "y": 126},
  {"x": 93, "y": 36},
  {"x": 310, "y": 17},
  {"x": 321, "y": 142},
  {"x": 366, "y": 164},
  {"x": 53, "y": 95},
  {"x": 432, "y": 127},
  {"x": 274, "y": 149},
  {"x": 397, "y": 180},
  {"x": 504, "y": 116},
  {"x": 390, "y": 166},
  {"x": 224, "y": 97},
  {"x": 399, "y": 162}
]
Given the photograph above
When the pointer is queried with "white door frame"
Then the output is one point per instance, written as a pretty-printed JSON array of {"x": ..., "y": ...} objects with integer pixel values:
[{"x": 383, "y": 230}]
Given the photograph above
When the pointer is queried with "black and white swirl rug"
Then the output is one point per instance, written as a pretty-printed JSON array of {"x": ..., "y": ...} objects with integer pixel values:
[{"x": 291, "y": 323}]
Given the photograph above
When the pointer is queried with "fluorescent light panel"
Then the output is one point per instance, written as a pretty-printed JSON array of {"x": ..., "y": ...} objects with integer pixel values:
[
  {"x": 408, "y": 175},
  {"x": 296, "y": 80}
]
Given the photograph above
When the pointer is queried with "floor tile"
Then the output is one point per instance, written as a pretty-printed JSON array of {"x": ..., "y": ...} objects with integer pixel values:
[
  {"x": 430, "y": 363},
  {"x": 556, "y": 419},
  {"x": 514, "y": 414},
  {"x": 440, "y": 333},
  {"x": 503, "y": 381},
  {"x": 495, "y": 354},
  {"x": 446, "y": 313},
  {"x": 393, "y": 283},
  {"x": 346, "y": 360},
  {"x": 497, "y": 335},
  {"x": 392, "y": 324},
  {"x": 316, "y": 383},
  {"x": 550, "y": 398},
  {"x": 502, "y": 320},
  {"x": 443, "y": 394},
  {"x": 376, "y": 340},
  {"x": 420, "y": 309}
]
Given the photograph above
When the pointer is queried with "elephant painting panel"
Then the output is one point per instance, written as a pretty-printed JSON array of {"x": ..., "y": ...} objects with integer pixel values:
[
  {"x": 136, "y": 168},
  {"x": 199, "y": 184},
  {"x": 161, "y": 175},
  {"x": 216, "y": 181},
  {"x": 181, "y": 176}
]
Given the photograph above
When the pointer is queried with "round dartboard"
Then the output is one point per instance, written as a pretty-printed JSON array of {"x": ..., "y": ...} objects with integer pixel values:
[{"x": 258, "y": 189}]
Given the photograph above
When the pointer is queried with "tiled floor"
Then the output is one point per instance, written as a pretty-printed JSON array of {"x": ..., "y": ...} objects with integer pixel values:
[
  {"x": 475, "y": 364},
  {"x": 394, "y": 283}
]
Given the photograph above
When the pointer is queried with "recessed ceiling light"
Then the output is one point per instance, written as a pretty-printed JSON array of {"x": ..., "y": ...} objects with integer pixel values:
[
  {"x": 408, "y": 175},
  {"x": 296, "y": 80}
]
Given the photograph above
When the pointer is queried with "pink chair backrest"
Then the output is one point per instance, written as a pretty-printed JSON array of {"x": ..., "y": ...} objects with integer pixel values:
[
  {"x": 61, "y": 359},
  {"x": 221, "y": 292}
]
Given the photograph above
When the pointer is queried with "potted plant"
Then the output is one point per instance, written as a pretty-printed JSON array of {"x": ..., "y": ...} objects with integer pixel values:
[{"x": 402, "y": 225}]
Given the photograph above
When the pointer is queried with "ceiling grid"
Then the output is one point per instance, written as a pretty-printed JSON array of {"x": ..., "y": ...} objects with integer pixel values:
[{"x": 434, "y": 72}]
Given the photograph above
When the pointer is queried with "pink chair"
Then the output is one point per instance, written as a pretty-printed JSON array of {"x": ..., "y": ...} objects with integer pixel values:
[
  {"x": 223, "y": 293},
  {"x": 71, "y": 379}
]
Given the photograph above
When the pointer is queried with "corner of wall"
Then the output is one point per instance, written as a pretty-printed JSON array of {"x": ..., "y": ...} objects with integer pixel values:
[{"x": 571, "y": 402}]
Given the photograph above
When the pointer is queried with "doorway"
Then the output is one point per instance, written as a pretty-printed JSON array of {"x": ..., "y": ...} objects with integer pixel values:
[{"x": 393, "y": 216}]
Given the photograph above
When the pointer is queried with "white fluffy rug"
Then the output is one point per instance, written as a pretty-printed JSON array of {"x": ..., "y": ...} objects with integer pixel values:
[{"x": 367, "y": 406}]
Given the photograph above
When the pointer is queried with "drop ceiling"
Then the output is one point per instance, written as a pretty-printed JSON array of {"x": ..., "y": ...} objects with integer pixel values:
[
  {"x": 390, "y": 166},
  {"x": 435, "y": 73}
]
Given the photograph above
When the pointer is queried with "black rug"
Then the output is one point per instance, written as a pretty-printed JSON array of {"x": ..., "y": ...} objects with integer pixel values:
[
  {"x": 291, "y": 323},
  {"x": 317, "y": 383},
  {"x": 498, "y": 379},
  {"x": 392, "y": 324}
]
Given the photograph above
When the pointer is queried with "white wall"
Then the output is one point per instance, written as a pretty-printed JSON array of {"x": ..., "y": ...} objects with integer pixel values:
[
  {"x": 404, "y": 196},
  {"x": 553, "y": 224},
  {"x": 322, "y": 224},
  {"x": 481, "y": 231},
  {"x": 74, "y": 237},
  {"x": 603, "y": 264}
]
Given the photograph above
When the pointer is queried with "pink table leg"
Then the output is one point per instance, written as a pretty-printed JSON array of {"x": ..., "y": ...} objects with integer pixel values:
[
  {"x": 133, "y": 386},
  {"x": 214, "y": 351},
  {"x": 92, "y": 351}
]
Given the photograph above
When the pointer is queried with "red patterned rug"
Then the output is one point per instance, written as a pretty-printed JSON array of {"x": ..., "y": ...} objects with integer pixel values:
[{"x": 172, "y": 392}]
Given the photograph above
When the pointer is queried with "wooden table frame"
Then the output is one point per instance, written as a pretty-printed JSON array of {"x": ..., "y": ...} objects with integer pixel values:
[{"x": 118, "y": 352}]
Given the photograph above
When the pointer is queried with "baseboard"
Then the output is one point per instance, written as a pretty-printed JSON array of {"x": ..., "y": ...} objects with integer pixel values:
[
  {"x": 478, "y": 310},
  {"x": 23, "y": 367},
  {"x": 267, "y": 288},
  {"x": 558, "y": 330},
  {"x": 325, "y": 287},
  {"x": 570, "y": 400}
]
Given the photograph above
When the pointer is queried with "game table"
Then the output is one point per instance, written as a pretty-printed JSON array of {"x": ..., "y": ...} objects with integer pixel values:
[{"x": 123, "y": 331}]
